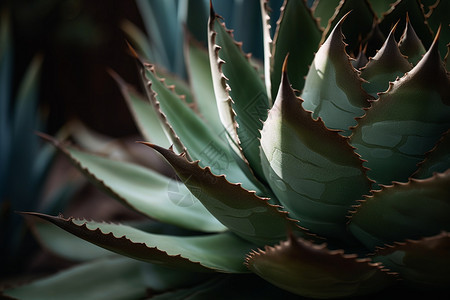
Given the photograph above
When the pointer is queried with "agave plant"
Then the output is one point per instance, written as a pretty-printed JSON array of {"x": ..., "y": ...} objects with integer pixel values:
[{"x": 328, "y": 178}]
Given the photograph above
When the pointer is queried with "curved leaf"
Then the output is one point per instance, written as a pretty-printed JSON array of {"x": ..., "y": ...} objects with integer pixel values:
[
  {"x": 314, "y": 271},
  {"x": 333, "y": 88},
  {"x": 323, "y": 10},
  {"x": 415, "y": 209},
  {"x": 240, "y": 210},
  {"x": 199, "y": 72},
  {"x": 398, "y": 13},
  {"x": 387, "y": 65},
  {"x": 410, "y": 44},
  {"x": 144, "y": 114},
  {"x": 223, "y": 252},
  {"x": 194, "y": 134},
  {"x": 240, "y": 92},
  {"x": 298, "y": 35},
  {"x": 148, "y": 192},
  {"x": 313, "y": 171},
  {"x": 406, "y": 121},
  {"x": 361, "y": 14}
]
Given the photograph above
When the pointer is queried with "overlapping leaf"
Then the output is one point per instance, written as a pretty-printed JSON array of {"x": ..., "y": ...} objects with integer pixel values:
[
  {"x": 241, "y": 211},
  {"x": 221, "y": 252},
  {"x": 313, "y": 171},
  {"x": 406, "y": 121},
  {"x": 305, "y": 269}
]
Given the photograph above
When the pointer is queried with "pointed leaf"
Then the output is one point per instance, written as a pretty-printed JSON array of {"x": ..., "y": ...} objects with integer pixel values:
[
  {"x": 404, "y": 211},
  {"x": 223, "y": 252},
  {"x": 313, "y": 171},
  {"x": 195, "y": 135},
  {"x": 240, "y": 92},
  {"x": 361, "y": 14},
  {"x": 410, "y": 44},
  {"x": 314, "y": 271},
  {"x": 298, "y": 35},
  {"x": 148, "y": 192},
  {"x": 249, "y": 216},
  {"x": 199, "y": 72},
  {"x": 406, "y": 121},
  {"x": 423, "y": 263},
  {"x": 385, "y": 66},
  {"x": 108, "y": 278},
  {"x": 66, "y": 245},
  {"x": 324, "y": 10},
  {"x": 414, "y": 10},
  {"x": 144, "y": 114},
  {"x": 333, "y": 88}
]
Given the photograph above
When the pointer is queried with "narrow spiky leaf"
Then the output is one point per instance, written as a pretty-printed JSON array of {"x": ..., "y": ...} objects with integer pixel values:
[
  {"x": 223, "y": 252},
  {"x": 361, "y": 14},
  {"x": 333, "y": 88},
  {"x": 298, "y": 35},
  {"x": 240, "y": 210},
  {"x": 385, "y": 66},
  {"x": 144, "y": 114},
  {"x": 313, "y": 171},
  {"x": 415, "y": 209},
  {"x": 324, "y": 10},
  {"x": 192, "y": 132},
  {"x": 406, "y": 121},
  {"x": 199, "y": 72},
  {"x": 314, "y": 271},
  {"x": 398, "y": 12},
  {"x": 149, "y": 193},
  {"x": 238, "y": 83},
  {"x": 410, "y": 44},
  {"x": 423, "y": 263}
]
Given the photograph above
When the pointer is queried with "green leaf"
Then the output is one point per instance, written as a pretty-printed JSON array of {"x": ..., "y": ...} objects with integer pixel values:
[
  {"x": 150, "y": 193},
  {"x": 423, "y": 263},
  {"x": 410, "y": 44},
  {"x": 145, "y": 116},
  {"x": 361, "y": 14},
  {"x": 324, "y": 10},
  {"x": 380, "y": 7},
  {"x": 199, "y": 72},
  {"x": 438, "y": 18},
  {"x": 333, "y": 88},
  {"x": 137, "y": 38},
  {"x": 194, "y": 134},
  {"x": 406, "y": 121},
  {"x": 314, "y": 271},
  {"x": 298, "y": 35},
  {"x": 402, "y": 211},
  {"x": 65, "y": 244},
  {"x": 240, "y": 210},
  {"x": 414, "y": 10},
  {"x": 223, "y": 252},
  {"x": 108, "y": 278},
  {"x": 313, "y": 171},
  {"x": 240, "y": 92},
  {"x": 437, "y": 160},
  {"x": 387, "y": 65}
]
